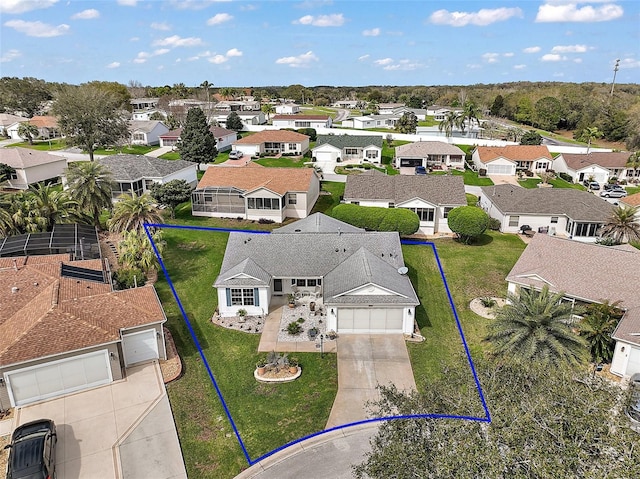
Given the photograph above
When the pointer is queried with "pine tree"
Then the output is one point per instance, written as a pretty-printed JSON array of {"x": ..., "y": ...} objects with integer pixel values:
[
  {"x": 234, "y": 122},
  {"x": 197, "y": 142}
]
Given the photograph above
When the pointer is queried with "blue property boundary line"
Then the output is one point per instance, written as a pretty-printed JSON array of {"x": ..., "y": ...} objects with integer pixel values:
[{"x": 251, "y": 462}]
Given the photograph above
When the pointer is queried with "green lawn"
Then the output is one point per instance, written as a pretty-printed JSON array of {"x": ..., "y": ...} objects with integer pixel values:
[
  {"x": 330, "y": 195},
  {"x": 471, "y": 178},
  {"x": 556, "y": 183},
  {"x": 632, "y": 190},
  {"x": 128, "y": 150},
  {"x": 43, "y": 145},
  {"x": 284, "y": 161},
  {"x": 172, "y": 155}
]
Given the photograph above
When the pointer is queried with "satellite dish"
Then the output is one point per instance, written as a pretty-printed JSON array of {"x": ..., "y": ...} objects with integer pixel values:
[{"x": 403, "y": 270}]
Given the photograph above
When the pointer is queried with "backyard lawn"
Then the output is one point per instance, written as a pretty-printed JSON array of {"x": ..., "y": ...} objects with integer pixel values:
[
  {"x": 556, "y": 183},
  {"x": 471, "y": 178},
  {"x": 284, "y": 161}
]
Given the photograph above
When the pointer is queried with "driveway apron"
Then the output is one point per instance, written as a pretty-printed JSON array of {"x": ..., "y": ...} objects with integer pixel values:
[{"x": 364, "y": 362}]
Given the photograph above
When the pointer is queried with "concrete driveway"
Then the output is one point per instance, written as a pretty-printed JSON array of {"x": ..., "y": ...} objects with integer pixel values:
[
  {"x": 122, "y": 430},
  {"x": 364, "y": 361}
]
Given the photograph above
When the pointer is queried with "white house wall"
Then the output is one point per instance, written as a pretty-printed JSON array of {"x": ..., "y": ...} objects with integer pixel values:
[
  {"x": 35, "y": 174},
  {"x": 189, "y": 175},
  {"x": 621, "y": 364},
  {"x": 255, "y": 214},
  {"x": 264, "y": 295},
  {"x": 224, "y": 143},
  {"x": 601, "y": 175}
]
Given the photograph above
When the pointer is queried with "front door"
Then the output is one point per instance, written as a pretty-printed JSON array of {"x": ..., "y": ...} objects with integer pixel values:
[{"x": 277, "y": 285}]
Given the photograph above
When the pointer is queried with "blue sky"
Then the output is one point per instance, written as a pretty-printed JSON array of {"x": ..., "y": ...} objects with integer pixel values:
[{"x": 340, "y": 43}]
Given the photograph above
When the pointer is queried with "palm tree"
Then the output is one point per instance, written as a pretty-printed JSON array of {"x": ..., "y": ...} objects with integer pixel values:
[
  {"x": 588, "y": 134},
  {"x": 131, "y": 212},
  {"x": 471, "y": 114},
  {"x": 28, "y": 132},
  {"x": 90, "y": 184},
  {"x": 634, "y": 162},
  {"x": 268, "y": 109},
  {"x": 206, "y": 86},
  {"x": 449, "y": 123},
  {"x": 597, "y": 326},
  {"x": 48, "y": 206},
  {"x": 536, "y": 325},
  {"x": 226, "y": 92},
  {"x": 623, "y": 224},
  {"x": 135, "y": 250}
]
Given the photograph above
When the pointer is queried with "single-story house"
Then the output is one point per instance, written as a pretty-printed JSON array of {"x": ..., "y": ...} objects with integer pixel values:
[
  {"x": 430, "y": 197},
  {"x": 273, "y": 142},
  {"x": 420, "y": 113},
  {"x": 32, "y": 166},
  {"x": 224, "y": 138},
  {"x": 254, "y": 192},
  {"x": 371, "y": 121},
  {"x": 143, "y": 104},
  {"x": 287, "y": 109},
  {"x": 575, "y": 214},
  {"x": 47, "y": 127},
  {"x": 597, "y": 166},
  {"x": 359, "y": 277},
  {"x": 588, "y": 273},
  {"x": 348, "y": 104},
  {"x": 440, "y": 112},
  {"x": 247, "y": 117},
  {"x": 146, "y": 132},
  {"x": 138, "y": 173},
  {"x": 388, "y": 108},
  {"x": 508, "y": 160},
  {"x": 64, "y": 329},
  {"x": 302, "y": 121},
  {"x": 348, "y": 148},
  {"x": 430, "y": 154},
  {"x": 238, "y": 105},
  {"x": 6, "y": 120}
]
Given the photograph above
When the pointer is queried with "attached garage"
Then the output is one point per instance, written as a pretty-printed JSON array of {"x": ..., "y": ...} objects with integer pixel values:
[
  {"x": 370, "y": 320},
  {"x": 411, "y": 162},
  {"x": 326, "y": 155},
  {"x": 57, "y": 378},
  {"x": 140, "y": 347},
  {"x": 633, "y": 366},
  {"x": 500, "y": 170}
]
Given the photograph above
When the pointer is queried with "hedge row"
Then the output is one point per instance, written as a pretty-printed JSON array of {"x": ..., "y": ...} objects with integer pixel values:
[{"x": 402, "y": 220}]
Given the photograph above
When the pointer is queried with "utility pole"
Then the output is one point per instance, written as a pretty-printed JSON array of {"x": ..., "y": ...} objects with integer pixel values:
[{"x": 615, "y": 70}]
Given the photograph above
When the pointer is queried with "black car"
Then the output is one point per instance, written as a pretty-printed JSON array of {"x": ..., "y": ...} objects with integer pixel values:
[
  {"x": 420, "y": 170},
  {"x": 32, "y": 451}
]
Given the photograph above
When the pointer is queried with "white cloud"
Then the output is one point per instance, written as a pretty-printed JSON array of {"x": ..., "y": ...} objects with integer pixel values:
[
  {"x": 163, "y": 26},
  {"x": 160, "y": 51},
  {"x": 219, "y": 18},
  {"x": 570, "y": 12},
  {"x": 144, "y": 56},
  {"x": 374, "y": 32},
  {"x": 552, "y": 57},
  {"x": 519, "y": 67},
  {"x": 630, "y": 63},
  {"x": 23, "y": 6},
  {"x": 482, "y": 17},
  {"x": 333, "y": 20},
  {"x": 128, "y": 3},
  {"x": 531, "y": 50},
  {"x": 218, "y": 59},
  {"x": 89, "y": 14},
  {"x": 577, "y": 60},
  {"x": 508, "y": 54},
  {"x": 10, "y": 55},
  {"x": 490, "y": 57},
  {"x": 364, "y": 57},
  {"x": 194, "y": 4},
  {"x": 234, "y": 52},
  {"x": 177, "y": 41},
  {"x": 113, "y": 65},
  {"x": 384, "y": 61},
  {"x": 299, "y": 61},
  {"x": 569, "y": 49},
  {"x": 402, "y": 65},
  {"x": 37, "y": 29}
]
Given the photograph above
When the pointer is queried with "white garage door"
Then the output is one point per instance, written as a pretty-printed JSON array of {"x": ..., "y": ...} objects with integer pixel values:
[
  {"x": 499, "y": 170},
  {"x": 325, "y": 156},
  {"x": 373, "y": 320},
  {"x": 140, "y": 347},
  {"x": 57, "y": 378},
  {"x": 633, "y": 366}
]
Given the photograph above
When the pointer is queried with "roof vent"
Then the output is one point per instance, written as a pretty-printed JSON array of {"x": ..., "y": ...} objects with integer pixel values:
[
  {"x": 14, "y": 289},
  {"x": 403, "y": 270}
]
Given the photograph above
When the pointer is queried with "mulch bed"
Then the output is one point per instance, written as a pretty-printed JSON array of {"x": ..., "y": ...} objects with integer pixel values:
[{"x": 171, "y": 367}]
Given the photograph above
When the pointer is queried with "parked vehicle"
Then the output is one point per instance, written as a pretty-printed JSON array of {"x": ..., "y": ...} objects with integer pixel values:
[
  {"x": 235, "y": 154},
  {"x": 32, "y": 451},
  {"x": 420, "y": 170},
  {"x": 609, "y": 186},
  {"x": 613, "y": 193}
]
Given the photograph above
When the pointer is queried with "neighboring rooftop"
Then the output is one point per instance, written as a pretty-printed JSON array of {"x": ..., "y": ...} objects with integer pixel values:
[
  {"x": 576, "y": 204},
  {"x": 583, "y": 270},
  {"x": 253, "y": 176},
  {"x": 19, "y": 158},
  {"x": 513, "y": 152},
  {"x": 318, "y": 223},
  {"x": 631, "y": 200},
  {"x": 421, "y": 149},
  {"x": 265, "y": 136},
  {"x": 300, "y": 117},
  {"x": 437, "y": 189},
  {"x": 79, "y": 241},
  {"x": 146, "y": 126},
  {"x": 612, "y": 159},
  {"x": 350, "y": 141},
  {"x": 218, "y": 132},
  {"x": 126, "y": 167}
]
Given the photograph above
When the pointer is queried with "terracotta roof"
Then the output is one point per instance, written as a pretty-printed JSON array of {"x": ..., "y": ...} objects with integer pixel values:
[
  {"x": 513, "y": 152},
  {"x": 272, "y": 135},
  {"x": 631, "y": 200},
  {"x": 584, "y": 270},
  {"x": 613, "y": 159},
  {"x": 300, "y": 117},
  {"x": 248, "y": 178},
  {"x": 49, "y": 314},
  {"x": 44, "y": 121},
  {"x": 25, "y": 157}
]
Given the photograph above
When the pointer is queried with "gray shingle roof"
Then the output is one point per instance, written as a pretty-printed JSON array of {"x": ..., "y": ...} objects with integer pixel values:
[
  {"x": 588, "y": 271},
  {"x": 310, "y": 255},
  {"x": 421, "y": 149},
  {"x": 437, "y": 190},
  {"x": 318, "y": 223},
  {"x": 576, "y": 204},
  {"x": 349, "y": 141},
  {"x": 126, "y": 167}
]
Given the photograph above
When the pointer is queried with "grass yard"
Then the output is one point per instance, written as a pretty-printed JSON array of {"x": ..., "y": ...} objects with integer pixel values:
[
  {"x": 126, "y": 150},
  {"x": 632, "y": 190},
  {"x": 284, "y": 162},
  {"x": 556, "y": 183},
  {"x": 471, "y": 178},
  {"x": 326, "y": 202},
  {"x": 43, "y": 145},
  {"x": 266, "y": 415}
]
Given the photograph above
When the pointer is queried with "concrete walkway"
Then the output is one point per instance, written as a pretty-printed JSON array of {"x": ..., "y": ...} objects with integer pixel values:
[{"x": 364, "y": 361}]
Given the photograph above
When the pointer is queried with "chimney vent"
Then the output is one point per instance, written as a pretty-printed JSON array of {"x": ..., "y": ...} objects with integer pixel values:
[{"x": 14, "y": 289}]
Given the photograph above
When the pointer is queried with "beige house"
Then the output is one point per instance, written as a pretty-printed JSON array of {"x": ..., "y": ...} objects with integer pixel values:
[
  {"x": 598, "y": 166},
  {"x": 64, "y": 329},
  {"x": 254, "y": 192},
  {"x": 430, "y": 154},
  {"x": 509, "y": 160},
  {"x": 273, "y": 142},
  {"x": 32, "y": 166}
]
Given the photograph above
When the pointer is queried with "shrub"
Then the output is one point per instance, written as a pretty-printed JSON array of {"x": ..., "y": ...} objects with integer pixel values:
[
  {"x": 494, "y": 224},
  {"x": 482, "y": 172},
  {"x": 402, "y": 220},
  {"x": 565, "y": 177},
  {"x": 126, "y": 278},
  {"x": 294, "y": 328},
  {"x": 310, "y": 132},
  {"x": 488, "y": 302},
  {"x": 468, "y": 222},
  {"x": 265, "y": 221}
]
